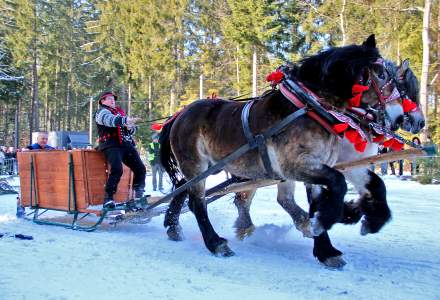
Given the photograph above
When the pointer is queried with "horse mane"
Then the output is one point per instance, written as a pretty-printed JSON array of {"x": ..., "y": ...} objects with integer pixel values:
[{"x": 331, "y": 73}]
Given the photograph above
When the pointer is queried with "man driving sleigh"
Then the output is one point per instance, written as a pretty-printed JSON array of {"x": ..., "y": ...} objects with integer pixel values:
[{"x": 115, "y": 131}]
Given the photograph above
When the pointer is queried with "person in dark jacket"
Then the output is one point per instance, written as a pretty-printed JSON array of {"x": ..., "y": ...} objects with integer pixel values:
[
  {"x": 41, "y": 143},
  {"x": 115, "y": 136},
  {"x": 154, "y": 159}
]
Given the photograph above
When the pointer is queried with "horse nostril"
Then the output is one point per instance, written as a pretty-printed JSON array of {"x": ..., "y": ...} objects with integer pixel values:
[{"x": 422, "y": 124}]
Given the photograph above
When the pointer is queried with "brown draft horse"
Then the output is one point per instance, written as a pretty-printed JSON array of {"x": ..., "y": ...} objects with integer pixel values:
[
  {"x": 206, "y": 131},
  {"x": 371, "y": 205}
]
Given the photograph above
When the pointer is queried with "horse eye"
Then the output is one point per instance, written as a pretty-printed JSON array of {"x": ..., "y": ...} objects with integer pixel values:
[{"x": 381, "y": 75}]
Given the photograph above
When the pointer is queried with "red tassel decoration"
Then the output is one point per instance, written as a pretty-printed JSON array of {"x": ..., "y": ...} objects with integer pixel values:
[
  {"x": 275, "y": 77},
  {"x": 357, "y": 88},
  {"x": 340, "y": 127},
  {"x": 396, "y": 146},
  {"x": 388, "y": 143},
  {"x": 355, "y": 101},
  {"x": 408, "y": 105},
  {"x": 352, "y": 135},
  {"x": 379, "y": 138},
  {"x": 156, "y": 126},
  {"x": 360, "y": 147}
]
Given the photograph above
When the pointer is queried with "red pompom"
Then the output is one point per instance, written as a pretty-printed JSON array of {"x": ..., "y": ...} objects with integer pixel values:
[
  {"x": 275, "y": 77},
  {"x": 352, "y": 135},
  {"x": 357, "y": 88},
  {"x": 379, "y": 138},
  {"x": 156, "y": 126},
  {"x": 340, "y": 127},
  {"x": 408, "y": 105},
  {"x": 360, "y": 147}
]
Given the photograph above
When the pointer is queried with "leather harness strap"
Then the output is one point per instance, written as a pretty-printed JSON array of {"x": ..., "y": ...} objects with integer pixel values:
[{"x": 258, "y": 140}]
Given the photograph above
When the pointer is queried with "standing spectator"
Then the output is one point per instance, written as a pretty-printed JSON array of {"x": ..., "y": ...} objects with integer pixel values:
[
  {"x": 154, "y": 159},
  {"x": 384, "y": 165},
  {"x": 41, "y": 143},
  {"x": 414, "y": 166},
  {"x": 2, "y": 159},
  {"x": 393, "y": 170},
  {"x": 115, "y": 131}
]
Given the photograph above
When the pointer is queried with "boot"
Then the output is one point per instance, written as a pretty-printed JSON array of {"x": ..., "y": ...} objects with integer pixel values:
[
  {"x": 138, "y": 193},
  {"x": 108, "y": 202}
]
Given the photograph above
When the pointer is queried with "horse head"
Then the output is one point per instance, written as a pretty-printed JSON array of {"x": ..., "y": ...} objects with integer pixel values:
[
  {"x": 408, "y": 86},
  {"x": 354, "y": 75}
]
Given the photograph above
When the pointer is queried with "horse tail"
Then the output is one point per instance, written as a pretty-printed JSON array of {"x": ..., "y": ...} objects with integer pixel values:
[{"x": 167, "y": 158}]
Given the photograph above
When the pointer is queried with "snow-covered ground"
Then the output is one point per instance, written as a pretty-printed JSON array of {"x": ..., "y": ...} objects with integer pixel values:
[{"x": 139, "y": 262}]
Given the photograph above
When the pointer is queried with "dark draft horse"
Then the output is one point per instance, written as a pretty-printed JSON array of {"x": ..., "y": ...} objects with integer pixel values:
[
  {"x": 206, "y": 131},
  {"x": 372, "y": 202}
]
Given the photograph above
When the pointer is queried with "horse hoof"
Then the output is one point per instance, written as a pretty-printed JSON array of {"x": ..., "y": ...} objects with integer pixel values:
[
  {"x": 175, "y": 233},
  {"x": 305, "y": 228},
  {"x": 365, "y": 228},
  {"x": 316, "y": 226},
  {"x": 334, "y": 263},
  {"x": 224, "y": 250},
  {"x": 242, "y": 233}
]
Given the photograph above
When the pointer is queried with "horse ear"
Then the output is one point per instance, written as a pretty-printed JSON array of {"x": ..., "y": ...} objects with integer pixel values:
[
  {"x": 370, "y": 42},
  {"x": 405, "y": 65}
]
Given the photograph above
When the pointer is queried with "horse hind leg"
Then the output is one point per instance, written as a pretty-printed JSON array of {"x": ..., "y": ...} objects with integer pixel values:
[
  {"x": 172, "y": 215},
  {"x": 216, "y": 244},
  {"x": 243, "y": 224},
  {"x": 286, "y": 198}
]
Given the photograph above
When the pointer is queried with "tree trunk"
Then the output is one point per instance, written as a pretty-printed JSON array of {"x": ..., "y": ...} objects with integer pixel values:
[
  {"x": 237, "y": 66},
  {"x": 35, "y": 100},
  {"x": 46, "y": 107},
  {"x": 17, "y": 125},
  {"x": 173, "y": 98},
  {"x": 342, "y": 22},
  {"x": 425, "y": 67},
  {"x": 254, "y": 73},
  {"x": 150, "y": 99}
]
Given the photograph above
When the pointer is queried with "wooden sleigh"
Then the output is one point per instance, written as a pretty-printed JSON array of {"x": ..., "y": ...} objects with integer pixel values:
[
  {"x": 73, "y": 182},
  {"x": 68, "y": 181}
]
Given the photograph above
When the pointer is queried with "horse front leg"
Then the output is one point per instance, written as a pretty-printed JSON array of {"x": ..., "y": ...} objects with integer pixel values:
[
  {"x": 372, "y": 202},
  {"x": 197, "y": 204},
  {"x": 330, "y": 203},
  {"x": 243, "y": 224},
  {"x": 323, "y": 249},
  {"x": 286, "y": 198},
  {"x": 374, "y": 205}
]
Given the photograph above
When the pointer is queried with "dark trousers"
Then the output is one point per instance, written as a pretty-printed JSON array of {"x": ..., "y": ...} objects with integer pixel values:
[
  {"x": 393, "y": 171},
  {"x": 130, "y": 157}
]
